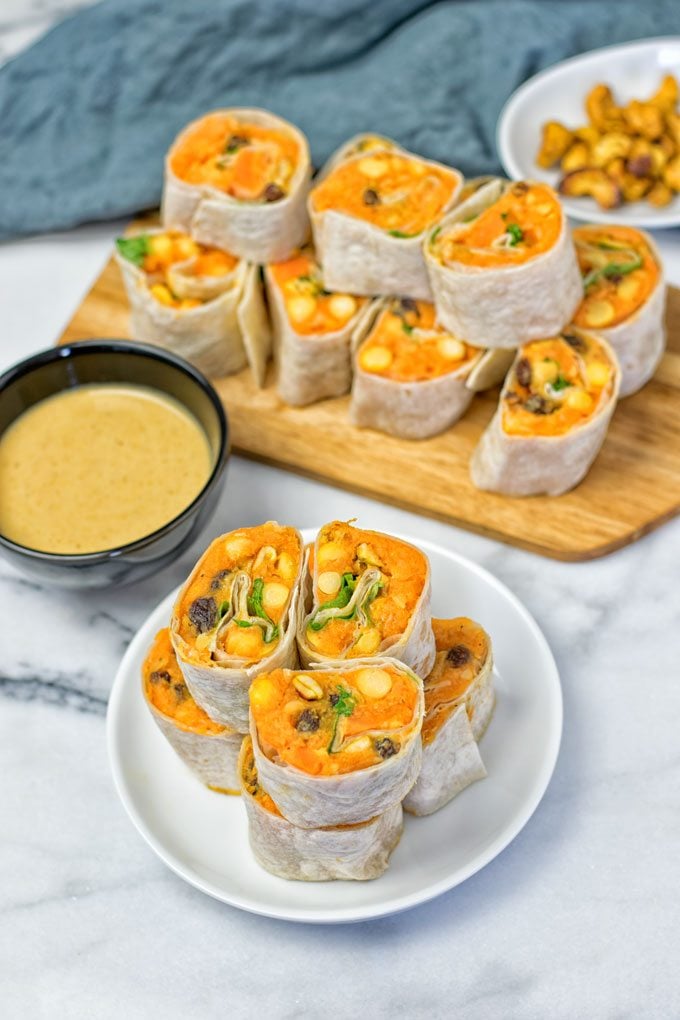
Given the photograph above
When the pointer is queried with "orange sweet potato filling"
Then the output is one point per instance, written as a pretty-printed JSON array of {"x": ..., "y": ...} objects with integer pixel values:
[
  {"x": 462, "y": 650},
  {"x": 243, "y": 160},
  {"x": 254, "y": 789},
  {"x": 344, "y": 729},
  {"x": 343, "y": 549},
  {"x": 170, "y": 247},
  {"x": 395, "y": 192},
  {"x": 407, "y": 344},
  {"x": 557, "y": 385},
  {"x": 165, "y": 688},
  {"x": 311, "y": 309},
  {"x": 269, "y": 552},
  {"x": 523, "y": 223},
  {"x": 611, "y": 297}
]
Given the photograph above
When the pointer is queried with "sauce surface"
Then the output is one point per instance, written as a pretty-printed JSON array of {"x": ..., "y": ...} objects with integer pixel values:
[{"x": 97, "y": 467}]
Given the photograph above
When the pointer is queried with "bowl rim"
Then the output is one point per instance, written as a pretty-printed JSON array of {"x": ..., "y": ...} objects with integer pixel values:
[{"x": 113, "y": 346}]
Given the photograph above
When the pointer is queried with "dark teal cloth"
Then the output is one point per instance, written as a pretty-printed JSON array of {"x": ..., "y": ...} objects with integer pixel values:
[{"x": 87, "y": 113}]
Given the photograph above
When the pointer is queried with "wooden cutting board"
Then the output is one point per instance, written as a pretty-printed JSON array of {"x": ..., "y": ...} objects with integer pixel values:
[{"x": 633, "y": 487}]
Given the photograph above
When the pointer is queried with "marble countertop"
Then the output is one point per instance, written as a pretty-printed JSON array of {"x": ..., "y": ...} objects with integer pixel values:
[{"x": 577, "y": 918}]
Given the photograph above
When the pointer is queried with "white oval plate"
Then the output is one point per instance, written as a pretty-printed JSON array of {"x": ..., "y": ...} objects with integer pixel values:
[
  {"x": 203, "y": 836},
  {"x": 633, "y": 71}
]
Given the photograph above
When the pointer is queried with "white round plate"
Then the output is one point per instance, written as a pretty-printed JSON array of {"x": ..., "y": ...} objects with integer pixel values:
[
  {"x": 632, "y": 71},
  {"x": 203, "y": 836}
]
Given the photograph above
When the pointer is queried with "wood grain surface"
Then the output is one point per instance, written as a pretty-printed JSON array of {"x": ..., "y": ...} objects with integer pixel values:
[{"x": 633, "y": 487}]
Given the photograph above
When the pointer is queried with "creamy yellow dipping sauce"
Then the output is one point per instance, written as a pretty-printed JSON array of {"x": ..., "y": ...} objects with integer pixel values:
[{"x": 98, "y": 466}]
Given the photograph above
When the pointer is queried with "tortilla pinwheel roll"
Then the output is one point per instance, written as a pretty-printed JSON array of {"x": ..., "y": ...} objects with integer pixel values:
[
  {"x": 624, "y": 298},
  {"x": 503, "y": 267},
  {"x": 235, "y": 617},
  {"x": 337, "y": 746},
  {"x": 313, "y": 330},
  {"x": 369, "y": 215},
  {"x": 552, "y": 418},
  {"x": 209, "y": 749},
  {"x": 357, "y": 852},
  {"x": 365, "y": 593},
  {"x": 199, "y": 302},
  {"x": 459, "y": 700},
  {"x": 411, "y": 375},
  {"x": 238, "y": 179}
]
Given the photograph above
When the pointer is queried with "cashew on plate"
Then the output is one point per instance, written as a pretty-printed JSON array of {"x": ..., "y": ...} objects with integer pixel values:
[{"x": 624, "y": 153}]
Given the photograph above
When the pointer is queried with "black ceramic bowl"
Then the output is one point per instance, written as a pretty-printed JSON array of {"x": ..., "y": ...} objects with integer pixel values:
[{"x": 99, "y": 361}]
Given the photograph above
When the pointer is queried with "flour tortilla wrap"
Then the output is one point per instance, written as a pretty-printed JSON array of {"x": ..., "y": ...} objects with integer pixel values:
[
  {"x": 507, "y": 305},
  {"x": 490, "y": 370},
  {"x": 312, "y": 367},
  {"x": 360, "y": 144},
  {"x": 254, "y": 325},
  {"x": 415, "y": 646},
  {"x": 260, "y": 232},
  {"x": 473, "y": 185},
  {"x": 533, "y": 465},
  {"x": 209, "y": 750},
  {"x": 414, "y": 409},
  {"x": 220, "y": 336},
  {"x": 492, "y": 366},
  {"x": 360, "y": 258},
  {"x": 354, "y": 852},
  {"x": 409, "y": 410},
  {"x": 220, "y": 686},
  {"x": 317, "y": 801},
  {"x": 451, "y": 756},
  {"x": 640, "y": 340},
  {"x": 211, "y": 757}
]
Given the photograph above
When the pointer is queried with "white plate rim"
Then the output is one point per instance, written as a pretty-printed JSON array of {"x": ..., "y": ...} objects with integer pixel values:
[
  {"x": 394, "y": 904},
  {"x": 563, "y": 68}
]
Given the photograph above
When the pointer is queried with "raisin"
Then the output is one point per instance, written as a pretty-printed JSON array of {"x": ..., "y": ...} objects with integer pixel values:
[
  {"x": 386, "y": 747},
  {"x": 218, "y": 580},
  {"x": 203, "y": 614},
  {"x": 409, "y": 305},
  {"x": 181, "y": 690},
  {"x": 235, "y": 142},
  {"x": 537, "y": 404},
  {"x": 307, "y": 721},
  {"x": 272, "y": 193},
  {"x": 334, "y": 699},
  {"x": 371, "y": 197},
  {"x": 523, "y": 372},
  {"x": 158, "y": 675},
  {"x": 458, "y": 655},
  {"x": 574, "y": 341}
]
